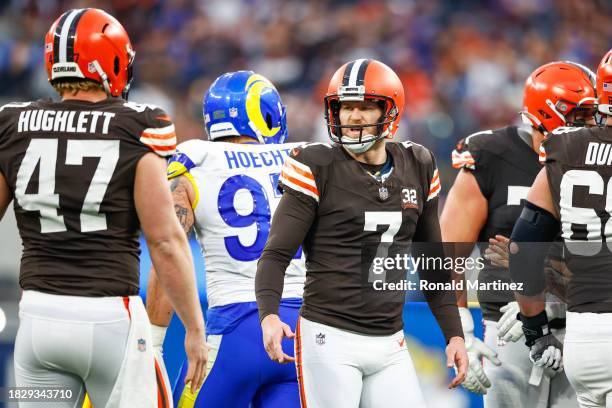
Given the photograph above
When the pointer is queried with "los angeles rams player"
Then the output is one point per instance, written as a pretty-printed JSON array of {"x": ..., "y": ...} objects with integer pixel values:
[{"x": 226, "y": 190}]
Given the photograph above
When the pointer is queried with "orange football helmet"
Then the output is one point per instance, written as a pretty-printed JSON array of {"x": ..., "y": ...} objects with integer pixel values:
[
  {"x": 90, "y": 44},
  {"x": 359, "y": 80},
  {"x": 555, "y": 90},
  {"x": 604, "y": 84}
]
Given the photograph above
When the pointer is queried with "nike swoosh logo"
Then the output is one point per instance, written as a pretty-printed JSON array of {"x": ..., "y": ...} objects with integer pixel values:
[{"x": 401, "y": 342}]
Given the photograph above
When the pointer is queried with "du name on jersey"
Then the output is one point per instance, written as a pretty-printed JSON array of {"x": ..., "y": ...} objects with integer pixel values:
[{"x": 599, "y": 154}]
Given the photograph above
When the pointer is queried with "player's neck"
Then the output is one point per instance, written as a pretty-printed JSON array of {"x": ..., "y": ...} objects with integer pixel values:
[
  {"x": 377, "y": 154},
  {"x": 88, "y": 96}
]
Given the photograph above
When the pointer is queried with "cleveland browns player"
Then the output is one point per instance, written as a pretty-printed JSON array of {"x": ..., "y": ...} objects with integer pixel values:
[
  {"x": 340, "y": 201},
  {"x": 497, "y": 168},
  {"x": 572, "y": 196},
  {"x": 86, "y": 173}
]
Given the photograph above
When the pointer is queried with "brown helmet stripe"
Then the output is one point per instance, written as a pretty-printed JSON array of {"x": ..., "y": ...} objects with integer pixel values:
[
  {"x": 56, "y": 36},
  {"x": 72, "y": 34}
]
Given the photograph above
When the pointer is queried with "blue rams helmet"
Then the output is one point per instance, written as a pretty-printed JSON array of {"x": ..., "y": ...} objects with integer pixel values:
[{"x": 244, "y": 103}]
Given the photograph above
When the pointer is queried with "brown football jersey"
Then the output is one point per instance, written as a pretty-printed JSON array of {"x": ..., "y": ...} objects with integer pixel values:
[
  {"x": 579, "y": 169},
  {"x": 504, "y": 167},
  {"x": 71, "y": 166},
  {"x": 352, "y": 215}
]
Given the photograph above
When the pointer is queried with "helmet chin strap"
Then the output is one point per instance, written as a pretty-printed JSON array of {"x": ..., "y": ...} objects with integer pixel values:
[
  {"x": 362, "y": 147},
  {"x": 103, "y": 75},
  {"x": 539, "y": 126}
]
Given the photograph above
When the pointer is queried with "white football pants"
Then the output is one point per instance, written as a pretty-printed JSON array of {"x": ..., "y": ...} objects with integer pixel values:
[
  {"x": 99, "y": 345},
  {"x": 587, "y": 356},
  {"x": 342, "y": 369}
]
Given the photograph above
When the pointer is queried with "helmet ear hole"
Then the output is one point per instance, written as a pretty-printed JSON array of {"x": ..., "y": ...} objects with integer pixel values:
[
  {"x": 104, "y": 28},
  {"x": 269, "y": 120},
  {"x": 116, "y": 67},
  {"x": 544, "y": 114}
]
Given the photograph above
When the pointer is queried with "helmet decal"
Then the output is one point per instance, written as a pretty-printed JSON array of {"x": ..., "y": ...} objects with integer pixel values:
[{"x": 244, "y": 103}]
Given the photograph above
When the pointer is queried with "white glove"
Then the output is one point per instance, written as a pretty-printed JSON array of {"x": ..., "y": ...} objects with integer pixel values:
[
  {"x": 547, "y": 353},
  {"x": 476, "y": 380},
  {"x": 158, "y": 333},
  {"x": 509, "y": 328}
]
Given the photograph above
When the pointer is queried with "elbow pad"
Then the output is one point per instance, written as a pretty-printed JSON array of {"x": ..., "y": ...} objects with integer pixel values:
[{"x": 530, "y": 243}]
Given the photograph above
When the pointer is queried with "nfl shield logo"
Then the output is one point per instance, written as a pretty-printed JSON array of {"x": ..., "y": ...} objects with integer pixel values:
[
  {"x": 383, "y": 193},
  {"x": 233, "y": 112},
  {"x": 142, "y": 345},
  {"x": 320, "y": 339}
]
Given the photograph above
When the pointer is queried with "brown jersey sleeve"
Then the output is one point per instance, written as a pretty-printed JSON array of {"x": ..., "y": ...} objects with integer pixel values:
[
  {"x": 427, "y": 242},
  {"x": 290, "y": 224},
  {"x": 152, "y": 127},
  {"x": 472, "y": 154}
]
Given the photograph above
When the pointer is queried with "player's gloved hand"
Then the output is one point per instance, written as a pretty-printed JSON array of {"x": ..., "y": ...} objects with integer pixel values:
[
  {"x": 510, "y": 328},
  {"x": 545, "y": 350},
  {"x": 158, "y": 334},
  {"x": 273, "y": 330},
  {"x": 476, "y": 379}
]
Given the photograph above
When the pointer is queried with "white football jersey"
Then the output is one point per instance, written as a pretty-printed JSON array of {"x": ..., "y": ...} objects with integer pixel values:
[{"x": 236, "y": 196}]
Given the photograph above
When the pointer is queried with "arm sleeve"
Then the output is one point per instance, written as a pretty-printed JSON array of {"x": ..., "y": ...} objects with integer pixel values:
[
  {"x": 531, "y": 240},
  {"x": 427, "y": 242},
  {"x": 290, "y": 224}
]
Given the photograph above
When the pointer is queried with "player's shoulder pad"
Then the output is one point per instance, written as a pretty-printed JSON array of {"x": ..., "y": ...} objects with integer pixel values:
[
  {"x": 10, "y": 109},
  {"x": 300, "y": 171},
  {"x": 189, "y": 154},
  {"x": 562, "y": 139},
  {"x": 422, "y": 154},
  {"x": 313, "y": 154},
  {"x": 10, "y": 113},
  {"x": 158, "y": 132},
  {"x": 427, "y": 161},
  {"x": 470, "y": 150},
  {"x": 14, "y": 105},
  {"x": 565, "y": 134}
]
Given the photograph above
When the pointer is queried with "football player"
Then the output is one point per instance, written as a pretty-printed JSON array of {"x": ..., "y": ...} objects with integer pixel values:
[
  {"x": 572, "y": 195},
  {"x": 341, "y": 201},
  {"x": 225, "y": 189},
  {"x": 497, "y": 168},
  {"x": 86, "y": 173}
]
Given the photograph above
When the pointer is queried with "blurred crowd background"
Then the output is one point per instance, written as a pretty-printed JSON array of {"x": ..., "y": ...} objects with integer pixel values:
[{"x": 463, "y": 62}]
